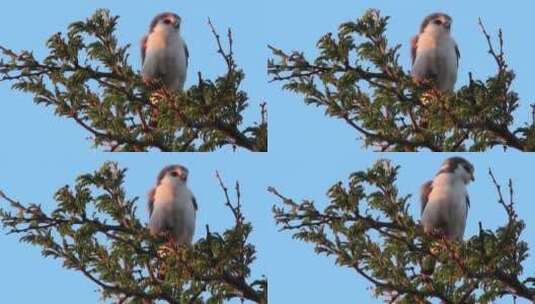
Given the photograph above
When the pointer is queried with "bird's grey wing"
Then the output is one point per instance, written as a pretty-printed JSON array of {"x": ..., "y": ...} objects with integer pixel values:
[
  {"x": 194, "y": 201},
  {"x": 186, "y": 51},
  {"x": 458, "y": 53},
  {"x": 467, "y": 205},
  {"x": 143, "y": 46},
  {"x": 414, "y": 45},
  {"x": 424, "y": 194},
  {"x": 151, "y": 200}
]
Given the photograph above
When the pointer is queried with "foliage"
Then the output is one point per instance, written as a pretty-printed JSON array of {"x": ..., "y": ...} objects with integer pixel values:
[
  {"x": 94, "y": 230},
  {"x": 367, "y": 227},
  {"x": 86, "y": 77},
  {"x": 357, "y": 77}
]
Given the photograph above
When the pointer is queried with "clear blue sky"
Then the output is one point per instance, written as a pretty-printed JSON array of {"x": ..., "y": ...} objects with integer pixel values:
[{"x": 308, "y": 152}]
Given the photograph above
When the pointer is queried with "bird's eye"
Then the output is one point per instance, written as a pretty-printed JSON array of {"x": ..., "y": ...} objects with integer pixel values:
[
  {"x": 437, "y": 22},
  {"x": 167, "y": 21},
  {"x": 174, "y": 174}
]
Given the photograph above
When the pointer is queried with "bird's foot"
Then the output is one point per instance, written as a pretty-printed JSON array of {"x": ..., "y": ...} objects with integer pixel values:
[
  {"x": 431, "y": 96},
  {"x": 157, "y": 96},
  {"x": 155, "y": 99},
  {"x": 435, "y": 249},
  {"x": 165, "y": 250}
]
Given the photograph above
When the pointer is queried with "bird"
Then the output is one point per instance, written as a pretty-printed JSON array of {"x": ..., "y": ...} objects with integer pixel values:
[
  {"x": 164, "y": 54},
  {"x": 445, "y": 201},
  {"x": 435, "y": 54},
  {"x": 172, "y": 206}
]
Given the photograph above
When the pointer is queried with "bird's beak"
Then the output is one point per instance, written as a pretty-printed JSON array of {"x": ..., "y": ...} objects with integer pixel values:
[
  {"x": 473, "y": 178},
  {"x": 184, "y": 177},
  {"x": 177, "y": 24},
  {"x": 447, "y": 25}
]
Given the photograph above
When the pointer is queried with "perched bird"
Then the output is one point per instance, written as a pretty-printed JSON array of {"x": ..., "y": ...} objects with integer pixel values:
[
  {"x": 435, "y": 55},
  {"x": 172, "y": 206},
  {"x": 164, "y": 54},
  {"x": 445, "y": 201}
]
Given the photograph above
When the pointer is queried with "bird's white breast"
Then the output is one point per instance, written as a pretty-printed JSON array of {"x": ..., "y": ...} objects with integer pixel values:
[
  {"x": 446, "y": 206},
  {"x": 446, "y": 186},
  {"x": 176, "y": 202},
  {"x": 179, "y": 197},
  {"x": 164, "y": 195},
  {"x": 165, "y": 56},
  {"x": 437, "y": 54}
]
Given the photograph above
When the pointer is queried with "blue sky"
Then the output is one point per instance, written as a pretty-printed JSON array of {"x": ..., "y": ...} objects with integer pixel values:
[{"x": 308, "y": 152}]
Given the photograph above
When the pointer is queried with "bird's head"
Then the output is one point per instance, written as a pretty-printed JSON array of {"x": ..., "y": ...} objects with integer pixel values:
[
  {"x": 165, "y": 22},
  {"x": 174, "y": 174},
  {"x": 459, "y": 167},
  {"x": 437, "y": 23}
]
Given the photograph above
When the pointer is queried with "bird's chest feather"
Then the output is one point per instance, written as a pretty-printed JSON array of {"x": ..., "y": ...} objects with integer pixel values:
[
  {"x": 164, "y": 197},
  {"x": 449, "y": 194},
  {"x": 173, "y": 199},
  {"x": 166, "y": 49},
  {"x": 439, "y": 50}
]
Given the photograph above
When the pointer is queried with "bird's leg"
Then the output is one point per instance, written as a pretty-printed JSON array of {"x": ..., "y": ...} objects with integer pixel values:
[
  {"x": 428, "y": 97},
  {"x": 155, "y": 99},
  {"x": 428, "y": 263},
  {"x": 153, "y": 83},
  {"x": 431, "y": 93},
  {"x": 171, "y": 240},
  {"x": 436, "y": 233},
  {"x": 431, "y": 96},
  {"x": 164, "y": 251},
  {"x": 161, "y": 94}
]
